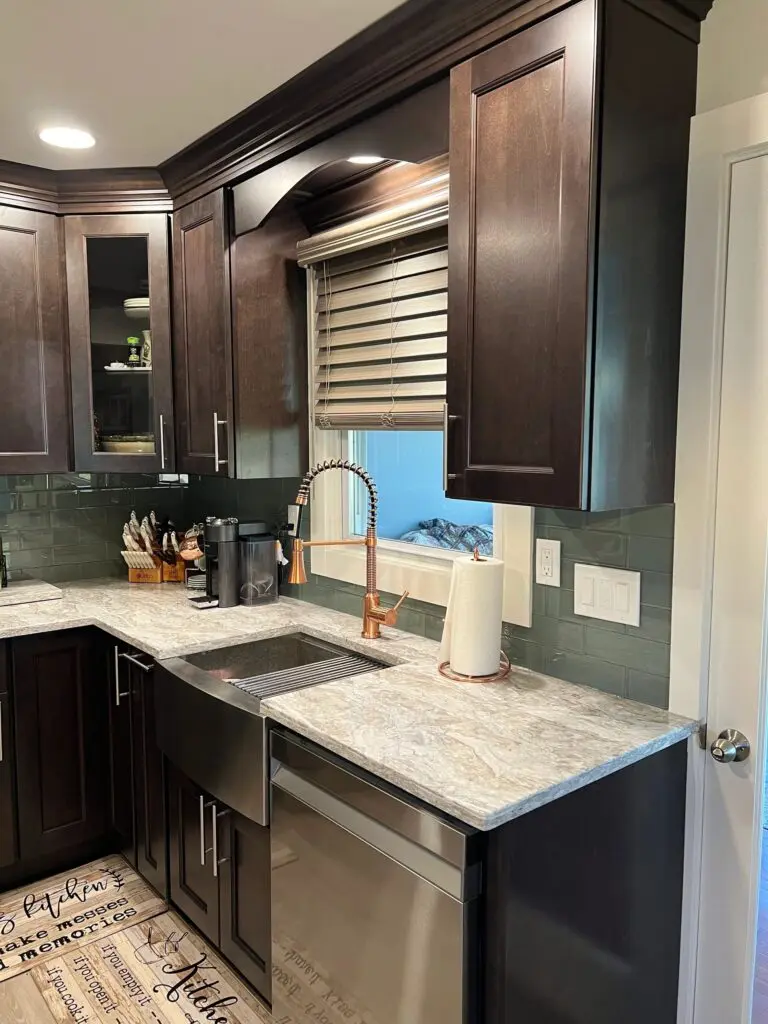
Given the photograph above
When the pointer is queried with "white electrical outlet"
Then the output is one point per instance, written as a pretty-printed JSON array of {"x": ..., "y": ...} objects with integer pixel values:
[
  {"x": 609, "y": 594},
  {"x": 548, "y": 562}
]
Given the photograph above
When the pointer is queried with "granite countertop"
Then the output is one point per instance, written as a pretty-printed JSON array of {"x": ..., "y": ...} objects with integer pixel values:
[
  {"x": 28, "y": 592},
  {"x": 483, "y": 753}
]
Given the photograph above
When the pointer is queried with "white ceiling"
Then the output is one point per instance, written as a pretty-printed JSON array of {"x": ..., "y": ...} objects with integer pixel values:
[{"x": 147, "y": 77}]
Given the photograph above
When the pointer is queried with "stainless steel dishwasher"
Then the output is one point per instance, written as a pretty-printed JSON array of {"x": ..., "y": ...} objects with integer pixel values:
[{"x": 374, "y": 898}]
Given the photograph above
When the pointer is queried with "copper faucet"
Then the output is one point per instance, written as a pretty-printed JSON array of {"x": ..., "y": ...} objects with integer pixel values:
[{"x": 373, "y": 613}]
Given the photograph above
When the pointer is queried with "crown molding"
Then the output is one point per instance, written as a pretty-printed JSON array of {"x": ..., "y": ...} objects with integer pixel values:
[
  {"x": 406, "y": 50},
  {"x": 111, "y": 190}
]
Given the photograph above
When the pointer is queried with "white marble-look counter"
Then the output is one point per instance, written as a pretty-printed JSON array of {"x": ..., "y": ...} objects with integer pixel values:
[
  {"x": 28, "y": 592},
  {"x": 484, "y": 753}
]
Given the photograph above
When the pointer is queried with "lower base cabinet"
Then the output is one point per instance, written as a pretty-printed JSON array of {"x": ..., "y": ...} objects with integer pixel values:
[
  {"x": 244, "y": 899},
  {"x": 220, "y": 876},
  {"x": 7, "y": 789},
  {"x": 61, "y": 731},
  {"x": 138, "y": 799}
]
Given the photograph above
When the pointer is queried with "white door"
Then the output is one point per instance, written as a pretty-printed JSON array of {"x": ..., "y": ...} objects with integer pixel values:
[{"x": 719, "y": 628}]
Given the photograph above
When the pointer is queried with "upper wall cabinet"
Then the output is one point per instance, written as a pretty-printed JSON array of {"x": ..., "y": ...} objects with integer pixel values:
[
  {"x": 239, "y": 344},
  {"x": 568, "y": 162},
  {"x": 120, "y": 342},
  {"x": 203, "y": 337},
  {"x": 34, "y": 411}
]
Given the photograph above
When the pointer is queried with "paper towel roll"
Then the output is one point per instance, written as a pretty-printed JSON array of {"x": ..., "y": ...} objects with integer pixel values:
[{"x": 472, "y": 631}]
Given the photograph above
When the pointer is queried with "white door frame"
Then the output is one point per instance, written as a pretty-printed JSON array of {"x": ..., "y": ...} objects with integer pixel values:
[{"x": 719, "y": 139}]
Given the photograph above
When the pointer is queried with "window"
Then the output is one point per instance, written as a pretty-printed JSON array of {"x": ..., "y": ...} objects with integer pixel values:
[
  {"x": 413, "y": 508},
  {"x": 378, "y": 317}
]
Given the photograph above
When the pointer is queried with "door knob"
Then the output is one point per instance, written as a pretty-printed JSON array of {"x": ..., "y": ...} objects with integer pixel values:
[{"x": 730, "y": 745}]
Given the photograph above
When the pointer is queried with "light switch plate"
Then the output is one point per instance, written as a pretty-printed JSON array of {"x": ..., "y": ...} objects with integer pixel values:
[
  {"x": 609, "y": 594},
  {"x": 548, "y": 562}
]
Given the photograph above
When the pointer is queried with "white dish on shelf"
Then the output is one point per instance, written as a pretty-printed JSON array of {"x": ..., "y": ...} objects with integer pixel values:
[{"x": 136, "y": 309}]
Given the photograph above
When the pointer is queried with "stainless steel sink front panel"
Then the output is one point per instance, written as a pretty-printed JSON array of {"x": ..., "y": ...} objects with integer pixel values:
[{"x": 215, "y": 734}]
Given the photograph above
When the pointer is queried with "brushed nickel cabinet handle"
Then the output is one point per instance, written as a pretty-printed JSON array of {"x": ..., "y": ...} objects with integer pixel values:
[
  {"x": 135, "y": 661},
  {"x": 447, "y": 420},
  {"x": 216, "y": 424},
  {"x": 202, "y": 831},
  {"x": 118, "y": 695},
  {"x": 215, "y": 815},
  {"x": 162, "y": 441}
]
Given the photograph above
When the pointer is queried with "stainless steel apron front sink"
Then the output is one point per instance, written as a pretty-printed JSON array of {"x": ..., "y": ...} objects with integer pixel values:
[{"x": 208, "y": 709}]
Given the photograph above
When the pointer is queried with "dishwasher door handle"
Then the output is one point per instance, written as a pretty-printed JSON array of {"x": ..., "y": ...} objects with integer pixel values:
[{"x": 391, "y": 844}]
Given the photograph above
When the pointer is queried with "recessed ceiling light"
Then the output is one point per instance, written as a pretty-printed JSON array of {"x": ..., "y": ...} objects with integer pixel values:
[
  {"x": 365, "y": 159},
  {"x": 67, "y": 138}
]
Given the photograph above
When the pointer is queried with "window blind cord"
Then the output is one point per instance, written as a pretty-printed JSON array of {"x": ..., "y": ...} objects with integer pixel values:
[
  {"x": 388, "y": 418},
  {"x": 324, "y": 418}
]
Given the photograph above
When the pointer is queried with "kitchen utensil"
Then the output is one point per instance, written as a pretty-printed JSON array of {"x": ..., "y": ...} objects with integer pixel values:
[{"x": 128, "y": 539}]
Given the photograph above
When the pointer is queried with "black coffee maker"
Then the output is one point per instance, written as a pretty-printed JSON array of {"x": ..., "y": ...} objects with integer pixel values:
[{"x": 222, "y": 564}]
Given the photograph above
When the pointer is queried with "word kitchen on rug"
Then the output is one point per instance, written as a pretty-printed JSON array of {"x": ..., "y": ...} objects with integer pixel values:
[{"x": 42, "y": 920}]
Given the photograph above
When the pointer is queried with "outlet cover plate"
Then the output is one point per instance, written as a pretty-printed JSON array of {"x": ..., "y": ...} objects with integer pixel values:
[
  {"x": 609, "y": 594},
  {"x": 548, "y": 562}
]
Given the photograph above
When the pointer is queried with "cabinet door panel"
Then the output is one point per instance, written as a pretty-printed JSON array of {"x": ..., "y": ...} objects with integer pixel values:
[
  {"x": 60, "y": 711},
  {"x": 7, "y": 790},
  {"x": 194, "y": 888},
  {"x": 120, "y": 698},
  {"x": 245, "y": 899},
  {"x": 149, "y": 782},
  {"x": 34, "y": 415},
  {"x": 519, "y": 264},
  {"x": 203, "y": 337},
  {"x": 111, "y": 260}
]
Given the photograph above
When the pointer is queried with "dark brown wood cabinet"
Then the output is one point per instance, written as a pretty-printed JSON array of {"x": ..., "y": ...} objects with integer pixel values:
[
  {"x": 220, "y": 876},
  {"x": 149, "y": 787},
  {"x": 194, "y": 887},
  {"x": 122, "y": 804},
  {"x": 34, "y": 409},
  {"x": 240, "y": 351},
  {"x": 565, "y": 260},
  {"x": 203, "y": 337},
  {"x": 244, "y": 888},
  {"x": 118, "y": 288},
  {"x": 138, "y": 794},
  {"x": 61, "y": 732},
  {"x": 7, "y": 787}
]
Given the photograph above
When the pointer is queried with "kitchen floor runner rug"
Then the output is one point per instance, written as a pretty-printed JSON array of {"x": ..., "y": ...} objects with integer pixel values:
[
  {"x": 157, "y": 972},
  {"x": 45, "y": 919}
]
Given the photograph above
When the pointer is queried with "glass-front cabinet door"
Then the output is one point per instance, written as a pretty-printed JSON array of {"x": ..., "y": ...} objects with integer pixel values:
[{"x": 119, "y": 331}]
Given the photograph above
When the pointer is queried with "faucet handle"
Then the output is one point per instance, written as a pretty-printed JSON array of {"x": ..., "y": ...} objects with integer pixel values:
[{"x": 389, "y": 617}]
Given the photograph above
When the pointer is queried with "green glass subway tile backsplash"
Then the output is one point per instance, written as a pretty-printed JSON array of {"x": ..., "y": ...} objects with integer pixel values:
[
  {"x": 632, "y": 662},
  {"x": 67, "y": 526}
]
